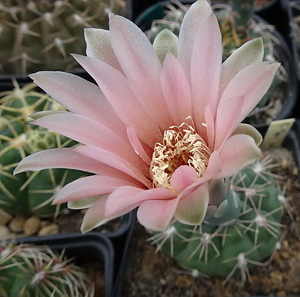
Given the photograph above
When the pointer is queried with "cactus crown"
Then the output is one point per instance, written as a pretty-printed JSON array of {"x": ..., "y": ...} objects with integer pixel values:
[{"x": 27, "y": 270}]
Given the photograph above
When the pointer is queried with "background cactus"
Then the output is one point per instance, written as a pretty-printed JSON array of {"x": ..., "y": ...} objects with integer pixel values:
[
  {"x": 237, "y": 26},
  {"x": 231, "y": 242},
  {"x": 28, "y": 193},
  {"x": 40, "y": 35},
  {"x": 27, "y": 270}
]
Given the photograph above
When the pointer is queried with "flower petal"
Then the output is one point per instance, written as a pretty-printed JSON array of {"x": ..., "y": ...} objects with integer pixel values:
[
  {"x": 237, "y": 152},
  {"x": 251, "y": 83},
  {"x": 166, "y": 41},
  {"x": 140, "y": 65},
  {"x": 115, "y": 161},
  {"x": 249, "y": 53},
  {"x": 192, "y": 209},
  {"x": 142, "y": 151},
  {"x": 90, "y": 186},
  {"x": 90, "y": 132},
  {"x": 206, "y": 64},
  {"x": 227, "y": 119},
  {"x": 123, "y": 98},
  {"x": 183, "y": 177},
  {"x": 176, "y": 90},
  {"x": 191, "y": 24},
  {"x": 64, "y": 158},
  {"x": 98, "y": 46},
  {"x": 79, "y": 96},
  {"x": 249, "y": 130},
  {"x": 118, "y": 203},
  {"x": 157, "y": 215}
]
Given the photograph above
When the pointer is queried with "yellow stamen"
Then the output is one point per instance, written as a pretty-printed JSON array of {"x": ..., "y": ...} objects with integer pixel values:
[{"x": 181, "y": 146}]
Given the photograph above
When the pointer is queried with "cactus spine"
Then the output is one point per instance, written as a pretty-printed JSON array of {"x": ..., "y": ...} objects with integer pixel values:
[
  {"x": 27, "y": 270},
  {"x": 40, "y": 35},
  {"x": 244, "y": 231}
]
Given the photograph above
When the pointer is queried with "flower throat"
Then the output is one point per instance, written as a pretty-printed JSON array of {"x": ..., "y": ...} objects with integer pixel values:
[{"x": 181, "y": 146}]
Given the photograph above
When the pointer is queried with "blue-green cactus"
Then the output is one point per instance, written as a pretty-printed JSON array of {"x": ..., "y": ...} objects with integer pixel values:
[{"x": 243, "y": 232}]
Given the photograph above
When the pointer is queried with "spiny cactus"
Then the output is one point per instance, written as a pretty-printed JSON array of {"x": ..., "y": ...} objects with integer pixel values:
[
  {"x": 28, "y": 194},
  {"x": 244, "y": 231},
  {"x": 27, "y": 270},
  {"x": 237, "y": 26},
  {"x": 40, "y": 35}
]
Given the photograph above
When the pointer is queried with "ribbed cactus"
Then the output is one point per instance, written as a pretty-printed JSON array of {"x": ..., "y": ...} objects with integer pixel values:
[
  {"x": 27, "y": 270},
  {"x": 28, "y": 194},
  {"x": 41, "y": 34},
  {"x": 244, "y": 231},
  {"x": 237, "y": 26}
]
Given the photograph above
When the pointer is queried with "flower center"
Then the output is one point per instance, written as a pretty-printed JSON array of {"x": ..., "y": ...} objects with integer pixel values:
[{"x": 181, "y": 146}]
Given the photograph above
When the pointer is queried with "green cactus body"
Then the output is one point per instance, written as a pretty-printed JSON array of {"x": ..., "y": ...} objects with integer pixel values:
[
  {"x": 27, "y": 270},
  {"x": 234, "y": 246},
  {"x": 29, "y": 193},
  {"x": 39, "y": 35}
]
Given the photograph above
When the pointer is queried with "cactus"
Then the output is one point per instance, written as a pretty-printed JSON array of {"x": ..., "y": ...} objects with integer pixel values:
[
  {"x": 244, "y": 231},
  {"x": 39, "y": 35},
  {"x": 27, "y": 270},
  {"x": 28, "y": 194},
  {"x": 237, "y": 26}
]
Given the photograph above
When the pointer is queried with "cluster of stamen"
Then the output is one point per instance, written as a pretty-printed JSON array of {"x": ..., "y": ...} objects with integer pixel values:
[{"x": 181, "y": 146}]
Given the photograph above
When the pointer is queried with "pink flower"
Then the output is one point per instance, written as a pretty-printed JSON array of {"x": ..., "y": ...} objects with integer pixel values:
[{"x": 163, "y": 127}]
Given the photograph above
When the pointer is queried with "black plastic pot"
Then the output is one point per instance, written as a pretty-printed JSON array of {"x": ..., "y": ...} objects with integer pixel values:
[
  {"x": 90, "y": 247},
  {"x": 157, "y": 11}
]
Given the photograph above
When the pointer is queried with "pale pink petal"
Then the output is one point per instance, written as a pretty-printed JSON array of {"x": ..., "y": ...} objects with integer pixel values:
[
  {"x": 183, "y": 177},
  {"x": 192, "y": 209},
  {"x": 79, "y": 96},
  {"x": 142, "y": 151},
  {"x": 157, "y": 215},
  {"x": 121, "y": 201},
  {"x": 115, "y": 161},
  {"x": 129, "y": 198},
  {"x": 95, "y": 216},
  {"x": 123, "y": 98},
  {"x": 249, "y": 53},
  {"x": 206, "y": 64},
  {"x": 210, "y": 125},
  {"x": 140, "y": 65},
  {"x": 251, "y": 83},
  {"x": 227, "y": 119},
  {"x": 98, "y": 46},
  {"x": 90, "y": 132},
  {"x": 90, "y": 186},
  {"x": 192, "y": 22},
  {"x": 237, "y": 152},
  {"x": 64, "y": 158},
  {"x": 214, "y": 168},
  {"x": 176, "y": 90}
]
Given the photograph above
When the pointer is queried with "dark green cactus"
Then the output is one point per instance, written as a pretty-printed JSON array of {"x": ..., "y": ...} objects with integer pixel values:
[
  {"x": 28, "y": 193},
  {"x": 40, "y": 35},
  {"x": 226, "y": 245},
  {"x": 27, "y": 270}
]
